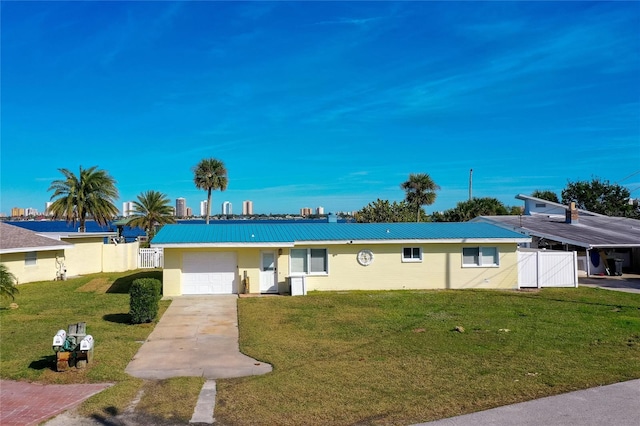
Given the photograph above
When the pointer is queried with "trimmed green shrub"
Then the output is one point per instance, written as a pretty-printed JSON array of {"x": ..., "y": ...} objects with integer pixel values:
[{"x": 143, "y": 303}]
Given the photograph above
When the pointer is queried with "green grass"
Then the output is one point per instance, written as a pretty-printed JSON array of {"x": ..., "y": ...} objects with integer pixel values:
[
  {"x": 171, "y": 399},
  {"x": 395, "y": 357},
  {"x": 343, "y": 358},
  {"x": 102, "y": 301}
]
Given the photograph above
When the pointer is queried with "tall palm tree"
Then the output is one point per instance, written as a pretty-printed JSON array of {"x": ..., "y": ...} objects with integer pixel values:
[
  {"x": 210, "y": 174},
  {"x": 91, "y": 193},
  {"x": 420, "y": 191},
  {"x": 152, "y": 208},
  {"x": 7, "y": 283}
]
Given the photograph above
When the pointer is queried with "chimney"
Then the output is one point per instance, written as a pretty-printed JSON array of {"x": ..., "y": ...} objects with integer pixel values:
[{"x": 571, "y": 215}]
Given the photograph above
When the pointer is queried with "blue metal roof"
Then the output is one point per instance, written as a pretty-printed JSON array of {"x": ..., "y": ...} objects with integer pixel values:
[{"x": 255, "y": 232}]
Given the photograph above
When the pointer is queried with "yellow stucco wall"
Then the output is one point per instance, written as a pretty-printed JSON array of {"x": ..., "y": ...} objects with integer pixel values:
[
  {"x": 85, "y": 257},
  {"x": 44, "y": 270},
  {"x": 172, "y": 273},
  {"x": 121, "y": 257},
  {"x": 441, "y": 268}
]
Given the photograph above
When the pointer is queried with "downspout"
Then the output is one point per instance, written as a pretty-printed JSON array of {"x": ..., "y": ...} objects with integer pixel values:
[{"x": 588, "y": 262}]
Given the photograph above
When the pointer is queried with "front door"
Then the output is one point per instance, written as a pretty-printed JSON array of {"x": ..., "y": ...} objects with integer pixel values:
[{"x": 268, "y": 280}]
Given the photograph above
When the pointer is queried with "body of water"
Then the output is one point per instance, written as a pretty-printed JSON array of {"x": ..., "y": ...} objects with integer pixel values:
[{"x": 130, "y": 234}]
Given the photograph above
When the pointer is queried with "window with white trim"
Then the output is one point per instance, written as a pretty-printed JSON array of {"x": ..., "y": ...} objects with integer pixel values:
[
  {"x": 308, "y": 261},
  {"x": 31, "y": 258},
  {"x": 480, "y": 256},
  {"x": 412, "y": 254}
]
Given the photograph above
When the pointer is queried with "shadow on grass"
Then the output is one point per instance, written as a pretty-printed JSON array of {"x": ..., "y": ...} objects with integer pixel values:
[
  {"x": 103, "y": 420},
  {"x": 122, "y": 284},
  {"x": 46, "y": 362},
  {"x": 118, "y": 318}
]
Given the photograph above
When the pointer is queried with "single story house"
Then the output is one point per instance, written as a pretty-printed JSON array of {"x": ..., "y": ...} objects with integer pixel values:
[
  {"x": 598, "y": 239},
  {"x": 266, "y": 257},
  {"x": 30, "y": 256},
  {"x": 41, "y": 256}
]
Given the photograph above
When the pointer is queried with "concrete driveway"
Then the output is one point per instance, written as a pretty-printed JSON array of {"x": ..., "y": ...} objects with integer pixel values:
[
  {"x": 196, "y": 336},
  {"x": 628, "y": 283}
]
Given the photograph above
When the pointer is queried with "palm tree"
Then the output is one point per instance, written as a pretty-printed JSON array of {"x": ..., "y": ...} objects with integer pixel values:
[
  {"x": 7, "y": 283},
  {"x": 152, "y": 208},
  {"x": 91, "y": 193},
  {"x": 210, "y": 174},
  {"x": 420, "y": 191}
]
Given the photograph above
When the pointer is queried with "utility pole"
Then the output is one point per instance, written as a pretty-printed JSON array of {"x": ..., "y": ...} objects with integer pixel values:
[{"x": 470, "y": 184}]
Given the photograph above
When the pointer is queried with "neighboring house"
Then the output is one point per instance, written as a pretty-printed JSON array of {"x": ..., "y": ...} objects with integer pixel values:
[
  {"x": 30, "y": 256},
  {"x": 33, "y": 256},
  {"x": 89, "y": 254},
  {"x": 223, "y": 258},
  {"x": 598, "y": 239}
]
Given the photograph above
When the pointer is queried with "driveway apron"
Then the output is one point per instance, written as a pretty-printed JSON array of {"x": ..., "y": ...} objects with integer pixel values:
[{"x": 196, "y": 336}]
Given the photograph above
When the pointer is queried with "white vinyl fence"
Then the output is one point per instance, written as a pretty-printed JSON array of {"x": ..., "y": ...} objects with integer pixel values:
[
  {"x": 547, "y": 268},
  {"x": 149, "y": 258}
]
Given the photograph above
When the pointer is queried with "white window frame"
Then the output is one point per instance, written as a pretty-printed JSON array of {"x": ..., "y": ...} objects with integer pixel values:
[
  {"x": 307, "y": 270},
  {"x": 31, "y": 258},
  {"x": 412, "y": 259},
  {"x": 494, "y": 260}
]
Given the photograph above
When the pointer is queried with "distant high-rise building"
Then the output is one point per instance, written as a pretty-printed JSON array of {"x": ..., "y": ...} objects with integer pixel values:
[
  {"x": 47, "y": 208},
  {"x": 227, "y": 208},
  {"x": 127, "y": 208},
  {"x": 306, "y": 211},
  {"x": 17, "y": 212},
  {"x": 189, "y": 212},
  {"x": 30, "y": 211},
  {"x": 181, "y": 207},
  {"x": 203, "y": 208},
  {"x": 247, "y": 208},
  {"x": 319, "y": 210}
]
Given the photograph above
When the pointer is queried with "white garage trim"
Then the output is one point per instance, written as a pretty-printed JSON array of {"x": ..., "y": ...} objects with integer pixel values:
[{"x": 209, "y": 273}]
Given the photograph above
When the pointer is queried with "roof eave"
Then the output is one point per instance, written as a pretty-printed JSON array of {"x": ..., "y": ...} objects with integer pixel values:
[
  {"x": 217, "y": 245},
  {"x": 78, "y": 235},
  {"x": 419, "y": 241},
  {"x": 341, "y": 241},
  {"x": 30, "y": 249},
  {"x": 614, "y": 245}
]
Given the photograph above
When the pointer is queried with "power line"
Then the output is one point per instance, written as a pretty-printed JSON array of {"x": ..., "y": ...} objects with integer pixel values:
[{"x": 631, "y": 175}]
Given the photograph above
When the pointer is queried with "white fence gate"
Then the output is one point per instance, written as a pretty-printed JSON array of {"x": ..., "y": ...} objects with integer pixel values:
[
  {"x": 149, "y": 258},
  {"x": 547, "y": 268}
]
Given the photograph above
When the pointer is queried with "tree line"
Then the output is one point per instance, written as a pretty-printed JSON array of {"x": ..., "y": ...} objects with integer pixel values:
[
  {"x": 597, "y": 195},
  {"x": 92, "y": 193}
]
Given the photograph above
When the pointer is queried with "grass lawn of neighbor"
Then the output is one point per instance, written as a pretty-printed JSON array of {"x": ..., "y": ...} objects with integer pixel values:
[
  {"x": 394, "y": 358},
  {"x": 102, "y": 301}
]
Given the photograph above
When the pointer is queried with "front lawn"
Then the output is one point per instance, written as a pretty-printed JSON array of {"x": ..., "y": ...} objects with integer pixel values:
[
  {"x": 102, "y": 301},
  {"x": 396, "y": 357}
]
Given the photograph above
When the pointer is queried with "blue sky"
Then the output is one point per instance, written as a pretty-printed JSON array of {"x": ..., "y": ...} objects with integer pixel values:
[{"x": 320, "y": 103}]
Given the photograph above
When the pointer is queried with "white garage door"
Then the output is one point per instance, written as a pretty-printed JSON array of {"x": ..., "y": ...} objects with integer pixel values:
[{"x": 209, "y": 273}]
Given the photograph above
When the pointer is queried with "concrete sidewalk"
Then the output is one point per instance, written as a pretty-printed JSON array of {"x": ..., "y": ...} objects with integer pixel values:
[
  {"x": 196, "y": 336},
  {"x": 617, "y": 404}
]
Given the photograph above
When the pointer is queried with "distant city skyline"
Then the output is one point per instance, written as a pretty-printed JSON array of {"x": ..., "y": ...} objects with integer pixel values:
[{"x": 350, "y": 98}]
